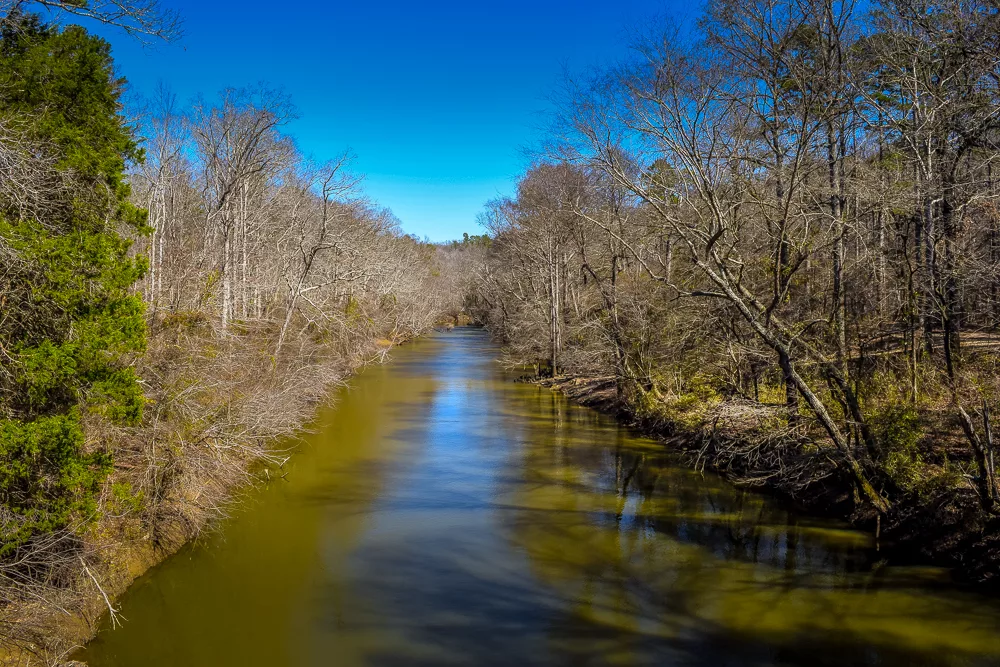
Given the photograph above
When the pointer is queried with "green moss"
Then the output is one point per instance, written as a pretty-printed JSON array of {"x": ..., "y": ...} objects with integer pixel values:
[
  {"x": 771, "y": 394},
  {"x": 686, "y": 407},
  {"x": 184, "y": 319}
]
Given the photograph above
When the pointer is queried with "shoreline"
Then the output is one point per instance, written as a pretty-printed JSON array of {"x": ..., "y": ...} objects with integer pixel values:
[
  {"x": 949, "y": 532},
  {"x": 947, "y": 529},
  {"x": 51, "y": 633}
]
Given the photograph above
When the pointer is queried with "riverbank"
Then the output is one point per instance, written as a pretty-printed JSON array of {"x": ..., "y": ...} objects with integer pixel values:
[
  {"x": 219, "y": 405},
  {"x": 938, "y": 524},
  {"x": 441, "y": 513}
]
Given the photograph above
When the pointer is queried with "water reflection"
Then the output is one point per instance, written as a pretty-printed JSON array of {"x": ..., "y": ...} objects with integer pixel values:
[
  {"x": 444, "y": 515},
  {"x": 667, "y": 561}
]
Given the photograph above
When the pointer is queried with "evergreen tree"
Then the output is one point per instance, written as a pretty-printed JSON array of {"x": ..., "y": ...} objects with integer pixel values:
[{"x": 69, "y": 321}]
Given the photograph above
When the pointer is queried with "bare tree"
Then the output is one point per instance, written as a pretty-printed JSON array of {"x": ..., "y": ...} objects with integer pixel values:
[
  {"x": 138, "y": 18},
  {"x": 240, "y": 150}
]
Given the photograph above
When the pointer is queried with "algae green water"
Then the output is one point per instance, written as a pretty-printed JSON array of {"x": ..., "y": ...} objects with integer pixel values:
[{"x": 441, "y": 514}]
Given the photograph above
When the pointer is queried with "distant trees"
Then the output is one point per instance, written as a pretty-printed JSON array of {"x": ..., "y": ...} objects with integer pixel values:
[
  {"x": 240, "y": 151},
  {"x": 534, "y": 233},
  {"x": 810, "y": 187},
  {"x": 245, "y": 227}
]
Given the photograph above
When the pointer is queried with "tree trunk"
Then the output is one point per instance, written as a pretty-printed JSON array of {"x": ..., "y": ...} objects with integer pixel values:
[
  {"x": 986, "y": 482},
  {"x": 950, "y": 310},
  {"x": 227, "y": 283},
  {"x": 837, "y": 213}
]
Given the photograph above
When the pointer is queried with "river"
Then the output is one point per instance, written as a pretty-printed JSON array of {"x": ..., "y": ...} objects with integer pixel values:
[{"x": 441, "y": 514}]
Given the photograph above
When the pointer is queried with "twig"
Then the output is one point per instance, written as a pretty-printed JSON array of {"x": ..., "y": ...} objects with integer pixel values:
[{"x": 111, "y": 608}]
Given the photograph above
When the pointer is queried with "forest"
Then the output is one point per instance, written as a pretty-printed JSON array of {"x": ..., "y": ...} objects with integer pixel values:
[
  {"x": 775, "y": 235},
  {"x": 770, "y": 237}
]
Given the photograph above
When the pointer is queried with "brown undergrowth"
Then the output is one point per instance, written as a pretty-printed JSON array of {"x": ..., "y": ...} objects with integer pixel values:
[{"x": 219, "y": 410}]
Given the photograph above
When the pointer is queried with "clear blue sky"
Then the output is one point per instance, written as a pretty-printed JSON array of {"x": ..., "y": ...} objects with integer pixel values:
[{"x": 436, "y": 99}]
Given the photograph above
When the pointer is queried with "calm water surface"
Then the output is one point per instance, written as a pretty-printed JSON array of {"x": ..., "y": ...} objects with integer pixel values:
[{"x": 443, "y": 515}]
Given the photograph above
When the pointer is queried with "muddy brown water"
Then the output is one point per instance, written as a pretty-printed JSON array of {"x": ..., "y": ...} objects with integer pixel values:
[{"x": 442, "y": 514}]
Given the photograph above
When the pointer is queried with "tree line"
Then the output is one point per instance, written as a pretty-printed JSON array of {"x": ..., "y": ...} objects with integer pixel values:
[
  {"x": 784, "y": 220},
  {"x": 246, "y": 228}
]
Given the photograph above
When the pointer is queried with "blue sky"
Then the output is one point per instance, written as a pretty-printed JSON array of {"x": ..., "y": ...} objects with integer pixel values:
[{"x": 437, "y": 100}]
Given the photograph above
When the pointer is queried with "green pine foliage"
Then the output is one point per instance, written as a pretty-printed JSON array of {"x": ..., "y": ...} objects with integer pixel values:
[{"x": 70, "y": 323}]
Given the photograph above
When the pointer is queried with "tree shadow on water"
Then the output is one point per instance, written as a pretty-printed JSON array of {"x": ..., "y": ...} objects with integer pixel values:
[{"x": 446, "y": 604}]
